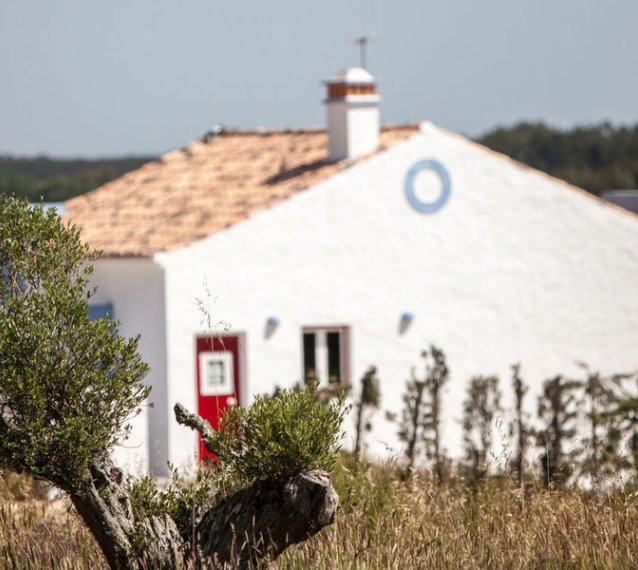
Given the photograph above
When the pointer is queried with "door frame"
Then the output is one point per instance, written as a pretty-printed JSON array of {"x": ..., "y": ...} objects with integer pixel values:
[{"x": 241, "y": 359}]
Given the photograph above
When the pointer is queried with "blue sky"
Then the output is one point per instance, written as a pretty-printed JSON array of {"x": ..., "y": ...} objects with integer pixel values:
[{"x": 87, "y": 78}]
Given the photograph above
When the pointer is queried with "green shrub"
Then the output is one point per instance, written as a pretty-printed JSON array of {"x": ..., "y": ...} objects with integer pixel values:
[{"x": 279, "y": 436}]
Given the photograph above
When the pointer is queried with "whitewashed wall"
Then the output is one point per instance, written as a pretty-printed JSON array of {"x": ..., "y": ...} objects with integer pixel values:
[
  {"x": 515, "y": 268},
  {"x": 136, "y": 289}
]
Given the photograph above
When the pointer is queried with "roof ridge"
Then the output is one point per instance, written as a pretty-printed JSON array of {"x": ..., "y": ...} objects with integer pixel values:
[
  {"x": 262, "y": 130},
  {"x": 268, "y": 130}
]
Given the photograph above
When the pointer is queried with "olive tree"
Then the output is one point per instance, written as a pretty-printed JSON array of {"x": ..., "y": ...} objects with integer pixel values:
[{"x": 69, "y": 386}]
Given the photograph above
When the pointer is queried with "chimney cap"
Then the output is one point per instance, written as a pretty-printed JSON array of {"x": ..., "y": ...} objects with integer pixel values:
[{"x": 352, "y": 75}]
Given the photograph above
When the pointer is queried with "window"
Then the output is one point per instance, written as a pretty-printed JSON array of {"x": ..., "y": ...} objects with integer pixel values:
[
  {"x": 215, "y": 368},
  {"x": 100, "y": 311},
  {"x": 215, "y": 373},
  {"x": 325, "y": 354}
]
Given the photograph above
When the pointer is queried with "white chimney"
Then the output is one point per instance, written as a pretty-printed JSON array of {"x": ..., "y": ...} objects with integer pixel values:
[{"x": 352, "y": 112}]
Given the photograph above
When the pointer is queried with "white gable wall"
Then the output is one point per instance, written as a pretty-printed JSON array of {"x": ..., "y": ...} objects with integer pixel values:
[{"x": 516, "y": 267}]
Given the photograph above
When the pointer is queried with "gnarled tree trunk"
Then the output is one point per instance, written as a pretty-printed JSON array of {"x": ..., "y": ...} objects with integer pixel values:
[
  {"x": 103, "y": 502},
  {"x": 252, "y": 525}
]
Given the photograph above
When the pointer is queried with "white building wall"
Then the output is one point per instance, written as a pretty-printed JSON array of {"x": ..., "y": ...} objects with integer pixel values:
[
  {"x": 516, "y": 267},
  {"x": 136, "y": 289}
]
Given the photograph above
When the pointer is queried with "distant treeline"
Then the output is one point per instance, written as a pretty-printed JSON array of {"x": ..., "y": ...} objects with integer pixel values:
[
  {"x": 596, "y": 158},
  {"x": 56, "y": 180}
]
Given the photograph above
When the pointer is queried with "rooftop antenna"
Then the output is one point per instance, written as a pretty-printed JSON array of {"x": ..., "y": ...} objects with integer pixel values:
[{"x": 363, "y": 42}]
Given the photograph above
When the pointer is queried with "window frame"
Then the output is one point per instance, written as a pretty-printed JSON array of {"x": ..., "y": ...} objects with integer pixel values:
[{"x": 344, "y": 351}]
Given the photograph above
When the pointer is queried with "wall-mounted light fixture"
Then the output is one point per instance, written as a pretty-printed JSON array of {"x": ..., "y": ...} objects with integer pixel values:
[
  {"x": 272, "y": 322},
  {"x": 405, "y": 321}
]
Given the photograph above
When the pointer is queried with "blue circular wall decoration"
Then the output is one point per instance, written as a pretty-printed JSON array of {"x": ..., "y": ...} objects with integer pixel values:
[{"x": 446, "y": 186}]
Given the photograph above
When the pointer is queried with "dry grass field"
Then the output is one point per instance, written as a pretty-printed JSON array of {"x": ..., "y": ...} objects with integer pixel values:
[{"x": 385, "y": 523}]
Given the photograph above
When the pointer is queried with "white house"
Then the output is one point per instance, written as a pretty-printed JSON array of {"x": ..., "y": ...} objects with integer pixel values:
[{"x": 327, "y": 251}]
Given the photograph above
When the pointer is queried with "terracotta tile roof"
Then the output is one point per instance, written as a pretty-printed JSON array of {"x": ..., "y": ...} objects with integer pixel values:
[{"x": 204, "y": 187}]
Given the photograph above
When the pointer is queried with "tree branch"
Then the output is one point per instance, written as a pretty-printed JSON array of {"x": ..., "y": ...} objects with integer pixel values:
[
  {"x": 196, "y": 423},
  {"x": 259, "y": 522}
]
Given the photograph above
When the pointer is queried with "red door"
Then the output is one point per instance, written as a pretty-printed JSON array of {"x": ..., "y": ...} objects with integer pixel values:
[{"x": 217, "y": 378}]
